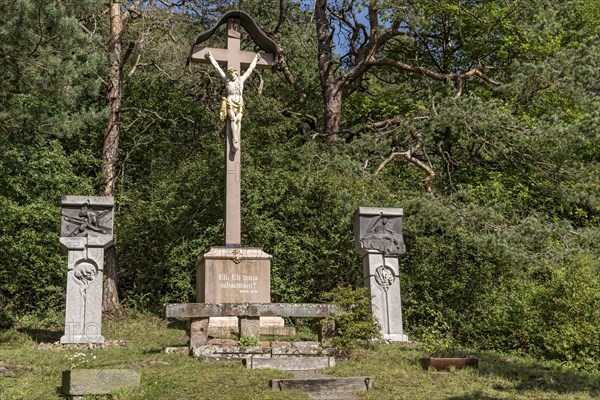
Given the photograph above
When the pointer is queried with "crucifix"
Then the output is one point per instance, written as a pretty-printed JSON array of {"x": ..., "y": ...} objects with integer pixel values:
[{"x": 233, "y": 59}]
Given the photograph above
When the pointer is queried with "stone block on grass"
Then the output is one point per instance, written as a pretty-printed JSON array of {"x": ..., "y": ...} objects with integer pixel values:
[
  {"x": 360, "y": 383},
  {"x": 81, "y": 382}
]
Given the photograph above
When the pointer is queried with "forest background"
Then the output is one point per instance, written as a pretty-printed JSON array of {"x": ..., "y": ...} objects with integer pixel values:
[{"x": 481, "y": 119}]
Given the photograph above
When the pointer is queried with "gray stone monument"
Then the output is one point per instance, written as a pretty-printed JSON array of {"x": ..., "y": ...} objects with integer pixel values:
[
  {"x": 86, "y": 230},
  {"x": 378, "y": 239},
  {"x": 232, "y": 273}
]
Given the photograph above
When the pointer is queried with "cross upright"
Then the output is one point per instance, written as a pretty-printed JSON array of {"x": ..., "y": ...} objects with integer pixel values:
[{"x": 232, "y": 57}]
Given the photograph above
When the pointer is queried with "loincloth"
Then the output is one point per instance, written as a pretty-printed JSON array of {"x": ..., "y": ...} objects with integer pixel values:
[{"x": 237, "y": 107}]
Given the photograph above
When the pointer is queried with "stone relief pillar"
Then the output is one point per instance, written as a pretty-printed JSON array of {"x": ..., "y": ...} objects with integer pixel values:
[
  {"x": 378, "y": 239},
  {"x": 86, "y": 230}
]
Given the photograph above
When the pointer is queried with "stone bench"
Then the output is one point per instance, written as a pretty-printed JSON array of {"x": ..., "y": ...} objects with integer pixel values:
[{"x": 248, "y": 316}]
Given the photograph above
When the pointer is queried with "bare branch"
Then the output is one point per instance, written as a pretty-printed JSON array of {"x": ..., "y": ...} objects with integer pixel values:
[
  {"x": 307, "y": 118},
  {"x": 127, "y": 54},
  {"x": 435, "y": 75},
  {"x": 134, "y": 68},
  {"x": 409, "y": 156},
  {"x": 374, "y": 126}
]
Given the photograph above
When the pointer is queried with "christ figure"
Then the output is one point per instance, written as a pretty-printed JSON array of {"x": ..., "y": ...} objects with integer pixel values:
[{"x": 232, "y": 106}]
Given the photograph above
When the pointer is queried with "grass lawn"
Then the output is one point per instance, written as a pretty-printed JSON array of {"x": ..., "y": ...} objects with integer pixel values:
[{"x": 36, "y": 374}]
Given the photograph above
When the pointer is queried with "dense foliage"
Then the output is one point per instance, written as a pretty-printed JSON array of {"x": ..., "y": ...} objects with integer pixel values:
[{"x": 502, "y": 252}]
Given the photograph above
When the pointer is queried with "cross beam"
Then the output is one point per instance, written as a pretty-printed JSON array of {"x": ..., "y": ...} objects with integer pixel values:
[{"x": 232, "y": 57}]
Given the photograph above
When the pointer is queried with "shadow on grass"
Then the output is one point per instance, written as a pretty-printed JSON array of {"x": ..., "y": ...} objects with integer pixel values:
[
  {"x": 178, "y": 324},
  {"x": 58, "y": 391},
  {"x": 42, "y": 335},
  {"x": 477, "y": 395},
  {"x": 535, "y": 376}
]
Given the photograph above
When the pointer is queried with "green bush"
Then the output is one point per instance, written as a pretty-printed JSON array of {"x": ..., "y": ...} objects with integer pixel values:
[{"x": 355, "y": 326}]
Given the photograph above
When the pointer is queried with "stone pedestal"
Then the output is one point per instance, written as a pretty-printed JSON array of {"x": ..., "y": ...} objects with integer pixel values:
[
  {"x": 86, "y": 230},
  {"x": 234, "y": 275},
  {"x": 378, "y": 239},
  {"x": 380, "y": 275}
]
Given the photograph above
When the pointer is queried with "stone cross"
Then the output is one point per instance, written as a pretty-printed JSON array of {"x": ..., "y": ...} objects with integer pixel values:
[{"x": 232, "y": 57}]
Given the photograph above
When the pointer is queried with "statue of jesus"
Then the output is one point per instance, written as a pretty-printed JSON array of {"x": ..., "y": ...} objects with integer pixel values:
[{"x": 232, "y": 106}]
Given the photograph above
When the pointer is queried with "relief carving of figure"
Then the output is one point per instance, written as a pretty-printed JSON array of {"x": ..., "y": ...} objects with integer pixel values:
[
  {"x": 384, "y": 276},
  {"x": 232, "y": 106},
  {"x": 87, "y": 220},
  {"x": 383, "y": 238}
]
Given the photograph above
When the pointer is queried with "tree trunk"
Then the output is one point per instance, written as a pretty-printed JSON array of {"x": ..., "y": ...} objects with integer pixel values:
[
  {"x": 332, "y": 97},
  {"x": 110, "y": 149}
]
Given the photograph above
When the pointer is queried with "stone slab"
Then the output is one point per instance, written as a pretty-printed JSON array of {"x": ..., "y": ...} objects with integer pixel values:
[
  {"x": 378, "y": 230},
  {"x": 80, "y": 382},
  {"x": 202, "y": 310},
  {"x": 401, "y": 338},
  {"x": 249, "y": 327},
  {"x": 290, "y": 363},
  {"x": 225, "y": 326},
  {"x": 297, "y": 348},
  {"x": 83, "y": 311},
  {"x": 235, "y": 352},
  {"x": 278, "y": 330},
  {"x": 361, "y": 383},
  {"x": 198, "y": 332},
  {"x": 381, "y": 277},
  {"x": 88, "y": 217},
  {"x": 70, "y": 200},
  {"x": 234, "y": 275}
]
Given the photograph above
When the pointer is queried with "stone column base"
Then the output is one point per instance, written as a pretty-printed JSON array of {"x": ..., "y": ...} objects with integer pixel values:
[
  {"x": 77, "y": 339},
  {"x": 396, "y": 337}
]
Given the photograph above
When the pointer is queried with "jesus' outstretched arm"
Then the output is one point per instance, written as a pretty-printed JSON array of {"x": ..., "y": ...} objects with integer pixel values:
[
  {"x": 250, "y": 68},
  {"x": 215, "y": 64}
]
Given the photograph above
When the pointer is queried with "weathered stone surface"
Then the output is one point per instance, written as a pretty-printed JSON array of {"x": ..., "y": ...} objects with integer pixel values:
[
  {"x": 234, "y": 275},
  {"x": 383, "y": 282},
  {"x": 80, "y": 382},
  {"x": 234, "y": 352},
  {"x": 378, "y": 239},
  {"x": 277, "y": 330},
  {"x": 225, "y": 349},
  {"x": 198, "y": 331},
  {"x": 306, "y": 310},
  {"x": 298, "y": 348},
  {"x": 226, "y": 326},
  {"x": 362, "y": 383},
  {"x": 306, "y": 345},
  {"x": 280, "y": 344},
  {"x": 83, "y": 346},
  {"x": 86, "y": 230},
  {"x": 275, "y": 322},
  {"x": 177, "y": 350},
  {"x": 379, "y": 230},
  {"x": 290, "y": 363},
  {"x": 223, "y": 342},
  {"x": 249, "y": 327},
  {"x": 87, "y": 217}
]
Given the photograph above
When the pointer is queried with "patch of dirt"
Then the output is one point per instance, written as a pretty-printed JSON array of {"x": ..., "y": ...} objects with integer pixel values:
[{"x": 8, "y": 370}]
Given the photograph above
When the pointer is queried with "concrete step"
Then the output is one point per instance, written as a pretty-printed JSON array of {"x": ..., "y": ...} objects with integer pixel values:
[
  {"x": 290, "y": 363},
  {"x": 324, "y": 385}
]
